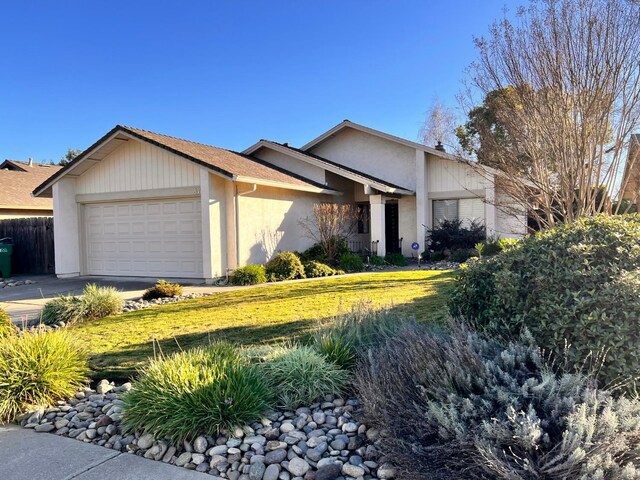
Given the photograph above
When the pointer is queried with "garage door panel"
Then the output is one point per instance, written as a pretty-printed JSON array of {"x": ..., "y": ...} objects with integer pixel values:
[{"x": 160, "y": 238}]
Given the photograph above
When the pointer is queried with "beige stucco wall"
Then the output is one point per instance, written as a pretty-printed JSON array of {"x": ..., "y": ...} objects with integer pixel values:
[
  {"x": 269, "y": 222},
  {"x": 511, "y": 218},
  {"x": 136, "y": 166},
  {"x": 376, "y": 156}
]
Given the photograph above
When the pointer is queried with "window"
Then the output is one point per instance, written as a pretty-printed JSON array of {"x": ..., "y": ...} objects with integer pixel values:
[
  {"x": 444, "y": 210},
  {"x": 466, "y": 209},
  {"x": 364, "y": 217}
]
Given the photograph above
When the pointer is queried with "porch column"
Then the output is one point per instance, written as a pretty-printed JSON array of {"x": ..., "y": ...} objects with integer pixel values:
[
  {"x": 490, "y": 207},
  {"x": 377, "y": 222},
  {"x": 421, "y": 198},
  {"x": 205, "y": 203},
  {"x": 67, "y": 232}
]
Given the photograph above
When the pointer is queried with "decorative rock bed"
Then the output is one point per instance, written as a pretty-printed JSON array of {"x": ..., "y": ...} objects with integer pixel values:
[
  {"x": 10, "y": 282},
  {"x": 139, "y": 304},
  {"x": 322, "y": 442}
]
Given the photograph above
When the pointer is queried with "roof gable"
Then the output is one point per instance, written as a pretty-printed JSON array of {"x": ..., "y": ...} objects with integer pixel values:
[{"x": 331, "y": 166}]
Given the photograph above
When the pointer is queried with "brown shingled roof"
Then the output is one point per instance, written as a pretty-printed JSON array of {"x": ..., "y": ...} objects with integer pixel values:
[
  {"x": 16, "y": 186},
  {"x": 226, "y": 162}
]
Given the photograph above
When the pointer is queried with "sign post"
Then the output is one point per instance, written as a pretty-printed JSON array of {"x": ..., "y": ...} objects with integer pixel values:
[{"x": 415, "y": 246}]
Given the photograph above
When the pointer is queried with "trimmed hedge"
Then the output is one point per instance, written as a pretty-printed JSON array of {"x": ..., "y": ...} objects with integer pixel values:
[
  {"x": 284, "y": 266},
  {"x": 577, "y": 284},
  {"x": 315, "y": 269}
]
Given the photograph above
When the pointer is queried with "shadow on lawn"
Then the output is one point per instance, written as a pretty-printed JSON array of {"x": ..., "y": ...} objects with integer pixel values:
[{"x": 122, "y": 363}]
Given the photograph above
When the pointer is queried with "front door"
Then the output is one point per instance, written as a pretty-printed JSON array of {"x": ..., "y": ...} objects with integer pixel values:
[{"x": 392, "y": 229}]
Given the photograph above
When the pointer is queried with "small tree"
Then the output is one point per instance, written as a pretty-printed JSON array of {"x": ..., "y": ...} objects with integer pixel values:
[
  {"x": 330, "y": 225},
  {"x": 439, "y": 125},
  {"x": 68, "y": 157},
  {"x": 561, "y": 89}
]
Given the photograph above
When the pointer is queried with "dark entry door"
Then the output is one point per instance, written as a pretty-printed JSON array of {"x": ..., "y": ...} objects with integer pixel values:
[{"x": 392, "y": 230}]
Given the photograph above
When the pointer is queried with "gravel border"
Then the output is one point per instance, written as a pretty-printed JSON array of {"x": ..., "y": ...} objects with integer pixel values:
[{"x": 322, "y": 442}]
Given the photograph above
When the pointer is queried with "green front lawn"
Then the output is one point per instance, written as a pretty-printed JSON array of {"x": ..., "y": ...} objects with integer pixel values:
[{"x": 264, "y": 314}]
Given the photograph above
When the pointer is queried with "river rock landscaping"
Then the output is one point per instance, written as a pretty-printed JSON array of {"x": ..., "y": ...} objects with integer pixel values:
[{"x": 324, "y": 441}]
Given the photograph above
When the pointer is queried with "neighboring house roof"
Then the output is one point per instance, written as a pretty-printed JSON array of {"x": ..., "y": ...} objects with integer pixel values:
[
  {"x": 348, "y": 172},
  {"x": 17, "y": 181},
  {"x": 233, "y": 165}
]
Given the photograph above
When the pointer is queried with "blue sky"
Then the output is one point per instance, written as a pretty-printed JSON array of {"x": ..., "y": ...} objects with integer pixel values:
[{"x": 226, "y": 73}]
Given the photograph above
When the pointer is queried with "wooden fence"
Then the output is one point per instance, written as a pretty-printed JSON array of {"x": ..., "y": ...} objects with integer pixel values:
[{"x": 32, "y": 244}]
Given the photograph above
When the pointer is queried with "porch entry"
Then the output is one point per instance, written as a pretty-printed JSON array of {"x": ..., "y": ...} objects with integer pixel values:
[{"x": 392, "y": 227}]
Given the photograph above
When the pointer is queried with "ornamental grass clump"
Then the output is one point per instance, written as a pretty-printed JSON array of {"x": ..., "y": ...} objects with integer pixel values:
[
  {"x": 162, "y": 289},
  {"x": 100, "y": 302},
  {"x": 299, "y": 375},
  {"x": 96, "y": 302},
  {"x": 460, "y": 406},
  {"x": 6, "y": 325},
  {"x": 63, "y": 308},
  {"x": 248, "y": 275},
  {"x": 196, "y": 392},
  {"x": 575, "y": 285},
  {"x": 38, "y": 368},
  {"x": 345, "y": 337}
]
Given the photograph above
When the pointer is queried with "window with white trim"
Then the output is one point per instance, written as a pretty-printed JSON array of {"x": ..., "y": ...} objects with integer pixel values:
[{"x": 466, "y": 209}]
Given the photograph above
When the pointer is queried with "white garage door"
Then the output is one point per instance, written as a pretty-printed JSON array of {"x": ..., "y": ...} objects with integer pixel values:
[{"x": 151, "y": 238}]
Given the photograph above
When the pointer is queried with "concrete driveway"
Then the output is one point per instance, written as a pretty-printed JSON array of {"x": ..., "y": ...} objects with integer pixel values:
[
  {"x": 27, "y": 455},
  {"x": 24, "y": 302}
]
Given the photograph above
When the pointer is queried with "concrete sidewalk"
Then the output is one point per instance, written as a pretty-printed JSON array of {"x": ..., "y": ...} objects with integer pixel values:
[{"x": 28, "y": 455}]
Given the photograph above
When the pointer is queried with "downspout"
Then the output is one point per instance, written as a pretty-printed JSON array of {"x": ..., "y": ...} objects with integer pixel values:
[{"x": 253, "y": 188}]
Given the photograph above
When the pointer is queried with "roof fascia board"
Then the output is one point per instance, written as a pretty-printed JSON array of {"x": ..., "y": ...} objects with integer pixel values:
[
  {"x": 74, "y": 163},
  {"x": 288, "y": 186}
]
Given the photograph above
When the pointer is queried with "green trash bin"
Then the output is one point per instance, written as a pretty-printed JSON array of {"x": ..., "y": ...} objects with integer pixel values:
[{"x": 6, "y": 249}]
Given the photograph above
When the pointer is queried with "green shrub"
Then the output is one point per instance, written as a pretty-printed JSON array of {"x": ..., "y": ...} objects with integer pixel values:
[
  {"x": 249, "y": 275},
  {"x": 437, "y": 256},
  {"x": 461, "y": 256},
  {"x": 7, "y": 327},
  {"x": 577, "y": 284},
  {"x": 314, "y": 253},
  {"x": 199, "y": 391},
  {"x": 63, "y": 308},
  {"x": 314, "y": 269},
  {"x": 451, "y": 235},
  {"x": 162, "y": 289},
  {"x": 284, "y": 266},
  {"x": 491, "y": 248},
  {"x": 507, "y": 243},
  {"x": 299, "y": 375},
  {"x": 397, "y": 259},
  {"x": 376, "y": 260},
  {"x": 459, "y": 406},
  {"x": 100, "y": 302},
  {"x": 351, "y": 262},
  {"x": 345, "y": 337},
  {"x": 37, "y": 369}
]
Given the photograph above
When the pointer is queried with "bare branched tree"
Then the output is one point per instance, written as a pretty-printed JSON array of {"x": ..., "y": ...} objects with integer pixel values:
[
  {"x": 439, "y": 126},
  {"x": 572, "y": 70},
  {"x": 330, "y": 224}
]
